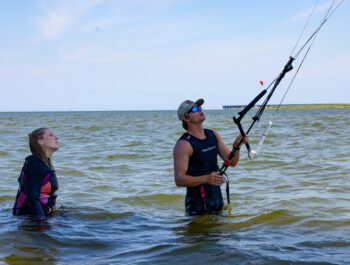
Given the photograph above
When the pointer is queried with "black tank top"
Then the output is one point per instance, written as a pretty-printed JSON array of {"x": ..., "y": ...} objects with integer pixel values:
[{"x": 203, "y": 160}]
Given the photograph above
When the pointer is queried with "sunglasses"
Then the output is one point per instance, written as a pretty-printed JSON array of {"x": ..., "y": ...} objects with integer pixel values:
[{"x": 195, "y": 109}]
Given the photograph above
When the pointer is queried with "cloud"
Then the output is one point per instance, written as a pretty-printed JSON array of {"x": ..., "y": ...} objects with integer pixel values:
[
  {"x": 59, "y": 16},
  {"x": 53, "y": 25},
  {"x": 320, "y": 9}
]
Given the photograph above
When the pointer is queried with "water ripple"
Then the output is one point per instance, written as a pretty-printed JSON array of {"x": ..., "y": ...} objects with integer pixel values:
[{"x": 121, "y": 206}]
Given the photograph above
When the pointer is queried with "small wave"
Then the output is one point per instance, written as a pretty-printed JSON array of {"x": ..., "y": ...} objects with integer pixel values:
[
  {"x": 275, "y": 218},
  {"x": 282, "y": 187},
  {"x": 39, "y": 256},
  {"x": 95, "y": 213},
  {"x": 93, "y": 128},
  {"x": 328, "y": 244},
  {"x": 6, "y": 198},
  {"x": 154, "y": 251},
  {"x": 98, "y": 168},
  {"x": 327, "y": 223},
  {"x": 313, "y": 199},
  {"x": 133, "y": 143},
  {"x": 4, "y": 153},
  {"x": 71, "y": 172},
  {"x": 103, "y": 188},
  {"x": 122, "y": 156},
  {"x": 340, "y": 190},
  {"x": 316, "y": 124},
  {"x": 90, "y": 158},
  {"x": 152, "y": 199},
  {"x": 248, "y": 180}
]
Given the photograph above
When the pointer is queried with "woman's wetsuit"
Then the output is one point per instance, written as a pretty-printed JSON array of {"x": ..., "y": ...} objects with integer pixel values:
[
  {"x": 204, "y": 198},
  {"x": 37, "y": 185}
]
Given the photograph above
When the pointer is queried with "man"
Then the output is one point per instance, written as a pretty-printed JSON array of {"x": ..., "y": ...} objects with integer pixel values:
[{"x": 195, "y": 160}]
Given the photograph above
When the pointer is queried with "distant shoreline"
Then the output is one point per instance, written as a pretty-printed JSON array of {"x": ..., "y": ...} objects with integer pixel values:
[
  {"x": 227, "y": 107},
  {"x": 296, "y": 106},
  {"x": 310, "y": 106}
]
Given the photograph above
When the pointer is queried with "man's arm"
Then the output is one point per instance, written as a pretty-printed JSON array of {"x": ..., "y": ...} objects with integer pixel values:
[
  {"x": 182, "y": 152},
  {"x": 224, "y": 151}
]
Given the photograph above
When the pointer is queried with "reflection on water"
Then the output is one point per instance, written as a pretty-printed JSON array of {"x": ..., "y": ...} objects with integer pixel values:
[
  {"x": 32, "y": 256},
  {"x": 30, "y": 225}
]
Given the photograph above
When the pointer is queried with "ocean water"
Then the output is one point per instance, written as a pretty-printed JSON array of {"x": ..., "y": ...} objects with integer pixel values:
[{"x": 118, "y": 203}]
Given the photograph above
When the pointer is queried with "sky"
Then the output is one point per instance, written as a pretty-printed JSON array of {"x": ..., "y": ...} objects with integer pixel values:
[{"x": 77, "y": 55}]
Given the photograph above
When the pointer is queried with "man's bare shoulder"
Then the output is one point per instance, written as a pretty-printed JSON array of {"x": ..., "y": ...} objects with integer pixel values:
[
  {"x": 183, "y": 146},
  {"x": 217, "y": 134}
]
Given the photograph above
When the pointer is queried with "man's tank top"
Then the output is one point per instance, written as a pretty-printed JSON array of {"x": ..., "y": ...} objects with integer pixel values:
[{"x": 204, "y": 198}]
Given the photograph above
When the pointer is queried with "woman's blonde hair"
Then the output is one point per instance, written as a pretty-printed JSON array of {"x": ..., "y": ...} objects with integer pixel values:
[{"x": 36, "y": 148}]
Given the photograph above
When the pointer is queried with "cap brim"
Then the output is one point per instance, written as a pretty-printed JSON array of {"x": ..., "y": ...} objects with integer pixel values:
[{"x": 199, "y": 102}]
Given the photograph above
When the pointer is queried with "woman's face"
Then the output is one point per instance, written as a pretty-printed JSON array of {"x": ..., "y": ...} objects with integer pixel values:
[{"x": 49, "y": 141}]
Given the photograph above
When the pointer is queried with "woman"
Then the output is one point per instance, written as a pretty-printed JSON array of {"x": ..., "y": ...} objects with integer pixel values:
[{"x": 37, "y": 182}]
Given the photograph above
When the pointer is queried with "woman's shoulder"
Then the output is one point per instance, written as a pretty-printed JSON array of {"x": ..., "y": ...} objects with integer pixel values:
[
  {"x": 35, "y": 163},
  {"x": 31, "y": 159}
]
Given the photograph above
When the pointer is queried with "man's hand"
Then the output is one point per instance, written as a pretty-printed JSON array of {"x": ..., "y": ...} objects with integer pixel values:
[
  {"x": 240, "y": 140},
  {"x": 214, "y": 179}
]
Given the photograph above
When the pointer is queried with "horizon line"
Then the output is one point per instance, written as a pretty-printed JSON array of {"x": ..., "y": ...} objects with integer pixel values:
[{"x": 121, "y": 110}]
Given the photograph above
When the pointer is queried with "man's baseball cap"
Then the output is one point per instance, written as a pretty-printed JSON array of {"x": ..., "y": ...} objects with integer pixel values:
[{"x": 186, "y": 106}]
